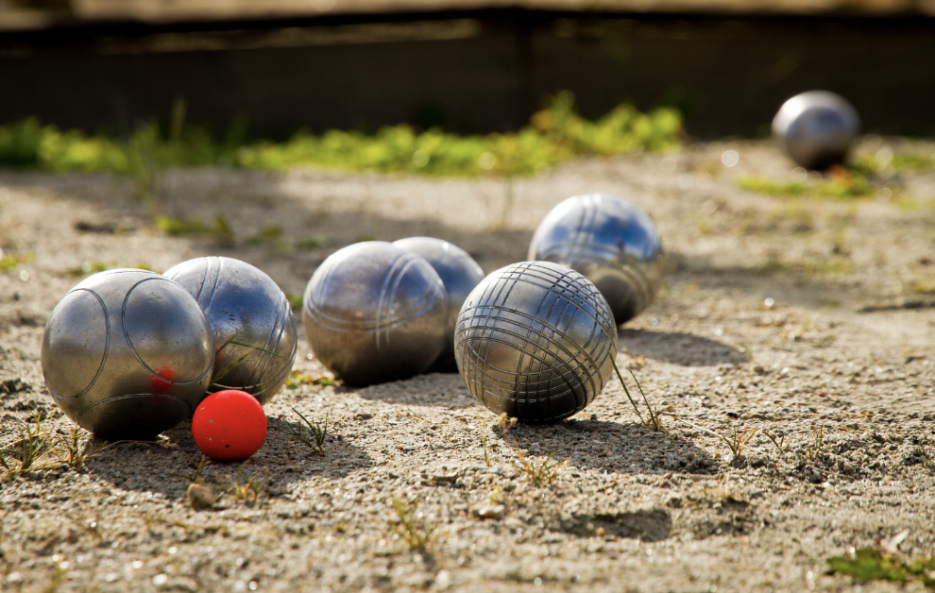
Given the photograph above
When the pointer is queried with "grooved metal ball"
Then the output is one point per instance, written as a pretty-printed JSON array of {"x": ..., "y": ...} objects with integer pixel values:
[
  {"x": 816, "y": 128},
  {"x": 374, "y": 313},
  {"x": 127, "y": 354},
  {"x": 251, "y": 319},
  {"x": 535, "y": 340},
  {"x": 459, "y": 273},
  {"x": 611, "y": 242}
]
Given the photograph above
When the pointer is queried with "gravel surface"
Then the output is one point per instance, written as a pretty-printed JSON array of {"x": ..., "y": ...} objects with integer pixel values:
[{"x": 809, "y": 320}]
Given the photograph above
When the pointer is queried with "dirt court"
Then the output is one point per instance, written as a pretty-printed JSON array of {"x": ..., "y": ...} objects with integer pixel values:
[{"x": 807, "y": 319}]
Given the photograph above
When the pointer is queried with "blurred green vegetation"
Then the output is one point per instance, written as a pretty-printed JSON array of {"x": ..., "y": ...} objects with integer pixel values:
[
  {"x": 840, "y": 187},
  {"x": 221, "y": 229},
  {"x": 865, "y": 176},
  {"x": 886, "y": 161},
  {"x": 838, "y": 183},
  {"x": 867, "y": 564},
  {"x": 556, "y": 133}
]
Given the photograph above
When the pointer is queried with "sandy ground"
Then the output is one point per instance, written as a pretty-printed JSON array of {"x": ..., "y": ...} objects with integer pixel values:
[{"x": 804, "y": 318}]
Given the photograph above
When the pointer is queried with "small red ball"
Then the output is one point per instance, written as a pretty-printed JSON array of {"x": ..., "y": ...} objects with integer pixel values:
[{"x": 229, "y": 425}]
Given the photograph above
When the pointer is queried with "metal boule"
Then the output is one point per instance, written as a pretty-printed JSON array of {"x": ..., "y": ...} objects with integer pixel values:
[
  {"x": 459, "y": 273},
  {"x": 816, "y": 128},
  {"x": 374, "y": 312},
  {"x": 251, "y": 320},
  {"x": 127, "y": 354},
  {"x": 535, "y": 340},
  {"x": 611, "y": 242}
]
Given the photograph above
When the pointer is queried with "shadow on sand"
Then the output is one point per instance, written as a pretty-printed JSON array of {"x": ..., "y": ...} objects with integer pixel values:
[
  {"x": 162, "y": 465},
  {"x": 611, "y": 447},
  {"x": 678, "y": 348}
]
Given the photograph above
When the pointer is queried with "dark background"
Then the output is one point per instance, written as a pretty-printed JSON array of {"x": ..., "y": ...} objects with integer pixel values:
[{"x": 466, "y": 70}]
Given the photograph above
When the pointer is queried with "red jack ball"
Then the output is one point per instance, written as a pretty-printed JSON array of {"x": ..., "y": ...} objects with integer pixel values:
[{"x": 229, "y": 425}]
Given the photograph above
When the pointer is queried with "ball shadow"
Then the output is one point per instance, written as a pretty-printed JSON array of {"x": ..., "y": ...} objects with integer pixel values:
[
  {"x": 445, "y": 390},
  {"x": 165, "y": 465},
  {"x": 678, "y": 348},
  {"x": 611, "y": 447}
]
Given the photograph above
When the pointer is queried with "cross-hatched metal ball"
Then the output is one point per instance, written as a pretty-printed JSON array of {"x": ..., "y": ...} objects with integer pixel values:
[
  {"x": 374, "y": 313},
  {"x": 611, "y": 242},
  {"x": 816, "y": 128},
  {"x": 535, "y": 340},
  {"x": 127, "y": 354},
  {"x": 459, "y": 273},
  {"x": 251, "y": 320}
]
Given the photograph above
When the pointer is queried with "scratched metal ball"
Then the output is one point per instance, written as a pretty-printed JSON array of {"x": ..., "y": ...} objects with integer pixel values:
[
  {"x": 127, "y": 354},
  {"x": 816, "y": 128},
  {"x": 535, "y": 340},
  {"x": 374, "y": 312},
  {"x": 459, "y": 273},
  {"x": 251, "y": 319},
  {"x": 611, "y": 242}
]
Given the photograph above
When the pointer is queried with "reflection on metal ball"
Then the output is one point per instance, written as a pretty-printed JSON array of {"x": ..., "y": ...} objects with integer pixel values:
[
  {"x": 611, "y": 242},
  {"x": 251, "y": 319},
  {"x": 459, "y": 273},
  {"x": 817, "y": 128},
  {"x": 535, "y": 340},
  {"x": 374, "y": 312},
  {"x": 127, "y": 354}
]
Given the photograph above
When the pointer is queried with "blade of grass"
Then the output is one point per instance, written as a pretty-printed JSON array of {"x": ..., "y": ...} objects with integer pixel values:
[{"x": 483, "y": 436}]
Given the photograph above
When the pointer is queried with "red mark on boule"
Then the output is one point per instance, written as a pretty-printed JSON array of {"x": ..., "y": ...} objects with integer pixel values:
[{"x": 162, "y": 380}]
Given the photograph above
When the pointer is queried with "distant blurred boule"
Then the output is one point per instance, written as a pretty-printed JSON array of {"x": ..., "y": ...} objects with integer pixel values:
[
  {"x": 459, "y": 273},
  {"x": 610, "y": 242},
  {"x": 817, "y": 128}
]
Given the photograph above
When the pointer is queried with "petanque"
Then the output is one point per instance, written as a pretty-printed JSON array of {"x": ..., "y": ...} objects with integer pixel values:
[
  {"x": 243, "y": 246},
  {"x": 816, "y": 128},
  {"x": 127, "y": 354},
  {"x": 459, "y": 273},
  {"x": 374, "y": 312},
  {"x": 251, "y": 320},
  {"x": 610, "y": 242},
  {"x": 535, "y": 340}
]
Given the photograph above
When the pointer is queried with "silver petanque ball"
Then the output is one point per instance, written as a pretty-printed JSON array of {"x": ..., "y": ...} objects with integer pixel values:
[
  {"x": 251, "y": 320},
  {"x": 127, "y": 354},
  {"x": 535, "y": 340},
  {"x": 374, "y": 312},
  {"x": 816, "y": 128},
  {"x": 459, "y": 273},
  {"x": 611, "y": 242}
]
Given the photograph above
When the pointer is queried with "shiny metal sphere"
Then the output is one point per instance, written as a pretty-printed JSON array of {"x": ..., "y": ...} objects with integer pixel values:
[
  {"x": 535, "y": 340},
  {"x": 251, "y": 319},
  {"x": 817, "y": 128},
  {"x": 374, "y": 312},
  {"x": 611, "y": 242},
  {"x": 127, "y": 354},
  {"x": 459, "y": 273}
]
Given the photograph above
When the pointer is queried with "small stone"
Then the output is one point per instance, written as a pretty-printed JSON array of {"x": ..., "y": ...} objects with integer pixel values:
[
  {"x": 489, "y": 511},
  {"x": 200, "y": 497},
  {"x": 442, "y": 580}
]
